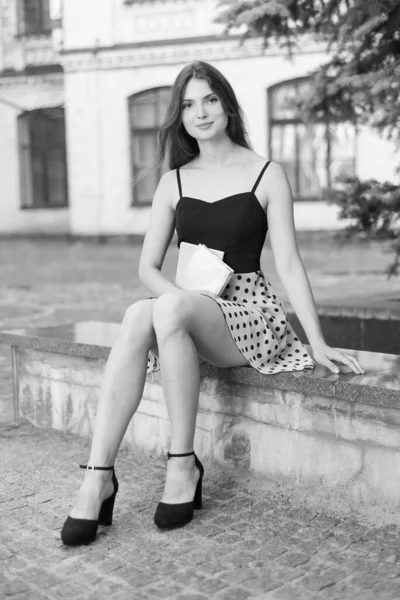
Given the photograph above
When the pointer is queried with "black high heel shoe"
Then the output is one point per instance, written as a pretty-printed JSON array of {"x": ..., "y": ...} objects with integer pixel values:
[
  {"x": 176, "y": 515},
  {"x": 76, "y": 532}
]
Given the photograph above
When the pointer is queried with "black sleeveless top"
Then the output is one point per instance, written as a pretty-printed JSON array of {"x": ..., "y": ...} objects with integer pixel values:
[{"x": 236, "y": 225}]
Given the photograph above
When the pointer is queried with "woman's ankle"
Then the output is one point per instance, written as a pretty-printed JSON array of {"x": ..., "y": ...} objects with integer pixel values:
[
  {"x": 97, "y": 478},
  {"x": 184, "y": 463}
]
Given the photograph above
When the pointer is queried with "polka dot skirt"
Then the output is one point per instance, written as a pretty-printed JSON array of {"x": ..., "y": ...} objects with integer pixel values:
[{"x": 258, "y": 326}]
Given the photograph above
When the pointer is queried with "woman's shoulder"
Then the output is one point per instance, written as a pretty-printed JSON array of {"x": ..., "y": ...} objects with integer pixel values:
[
  {"x": 260, "y": 161},
  {"x": 274, "y": 168},
  {"x": 167, "y": 186},
  {"x": 169, "y": 179},
  {"x": 256, "y": 164}
]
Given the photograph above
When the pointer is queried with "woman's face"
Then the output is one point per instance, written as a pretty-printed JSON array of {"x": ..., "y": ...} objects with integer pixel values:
[{"x": 202, "y": 114}]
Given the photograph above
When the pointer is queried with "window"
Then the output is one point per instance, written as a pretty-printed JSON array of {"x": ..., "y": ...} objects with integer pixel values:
[
  {"x": 34, "y": 17},
  {"x": 146, "y": 114},
  {"x": 43, "y": 158},
  {"x": 314, "y": 155}
]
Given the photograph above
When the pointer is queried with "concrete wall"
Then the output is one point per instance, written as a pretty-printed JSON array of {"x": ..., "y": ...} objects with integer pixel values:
[{"x": 346, "y": 447}]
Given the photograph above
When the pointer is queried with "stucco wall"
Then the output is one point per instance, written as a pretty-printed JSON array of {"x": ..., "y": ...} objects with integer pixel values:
[{"x": 116, "y": 22}]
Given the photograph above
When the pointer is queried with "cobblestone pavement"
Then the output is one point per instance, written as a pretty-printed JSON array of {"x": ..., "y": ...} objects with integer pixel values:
[
  {"x": 253, "y": 539},
  {"x": 249, "y": 541}
]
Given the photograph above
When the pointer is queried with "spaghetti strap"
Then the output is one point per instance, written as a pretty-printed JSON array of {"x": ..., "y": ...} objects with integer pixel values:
[
  {"x": 259, "y": 177},
  {"x": 178, "y": 176}
]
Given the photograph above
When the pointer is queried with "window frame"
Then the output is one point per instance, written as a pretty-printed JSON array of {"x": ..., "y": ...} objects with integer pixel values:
[
  {"x": 42, "y": 25},
  {"x": 26, "y": 151},
  {"x": 297, "y": 121},
  {"x": 133, "y": 131}
]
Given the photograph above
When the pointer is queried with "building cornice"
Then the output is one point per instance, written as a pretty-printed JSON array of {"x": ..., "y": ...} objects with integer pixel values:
[
  {"x": 153, "y": 43},
  {"x": 31, "y": 81},
  {"x": 182, "y": 50}
]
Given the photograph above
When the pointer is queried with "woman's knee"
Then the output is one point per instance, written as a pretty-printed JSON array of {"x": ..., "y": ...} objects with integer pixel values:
[
  {"x": 138, "y": 321},
  {"x": 170, "y": 312}
]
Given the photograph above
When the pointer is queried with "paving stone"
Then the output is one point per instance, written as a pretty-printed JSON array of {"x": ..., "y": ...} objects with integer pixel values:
[
  {"x": 239, "y": 575},
  {"x": 210, "y": 586},
  {"x": 191, "y": 596},
  {"x": 235, "y": 593},
  {"x": 12, "y": 588},
  {"x": 291, "y": 592},
  {"x": 164, "y": 589},
  {"x": 325, "y": 577},
  {"x": 341, "y": 589},
  {"x": 263, "y": 583},
  {"x": 294, "y": 558},
  {"x": 365, "y": 581}
]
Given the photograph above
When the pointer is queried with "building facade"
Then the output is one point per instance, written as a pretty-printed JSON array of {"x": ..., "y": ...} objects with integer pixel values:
[{"x": 84, "y": 86}]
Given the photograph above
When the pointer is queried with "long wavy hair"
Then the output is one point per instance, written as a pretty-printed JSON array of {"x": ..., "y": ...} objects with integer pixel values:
[{"x": 173, "y": 139}]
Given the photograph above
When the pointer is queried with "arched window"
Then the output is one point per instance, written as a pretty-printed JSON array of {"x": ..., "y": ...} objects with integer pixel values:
[
  {"x": 146, "y": 113},
  {"x": 43, "y": 164},
  {"x": 313, "y": 155}
]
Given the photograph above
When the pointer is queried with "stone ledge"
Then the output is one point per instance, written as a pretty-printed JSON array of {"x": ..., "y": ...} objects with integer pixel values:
[
  {"x": 380, "y": 386},
  {"x": 336, "y": 433},
  {"x": 344, "y": 448}
]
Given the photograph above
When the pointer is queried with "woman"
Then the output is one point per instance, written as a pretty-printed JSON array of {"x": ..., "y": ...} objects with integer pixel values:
[{"x": 220, "y": 193}]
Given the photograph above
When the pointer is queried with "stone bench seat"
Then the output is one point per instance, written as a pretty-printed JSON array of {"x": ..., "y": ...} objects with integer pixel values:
[{"x": 338, "y": 433}]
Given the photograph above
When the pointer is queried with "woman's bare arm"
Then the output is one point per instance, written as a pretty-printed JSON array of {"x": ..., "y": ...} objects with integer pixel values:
[
  {"x": 158, "y": 237},
  {"x": 290, "y": 268}
]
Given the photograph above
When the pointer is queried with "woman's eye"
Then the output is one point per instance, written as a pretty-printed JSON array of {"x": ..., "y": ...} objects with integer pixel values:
[
  {"x": 186, "y": 105},
  {"x": 213, "y": 99}
]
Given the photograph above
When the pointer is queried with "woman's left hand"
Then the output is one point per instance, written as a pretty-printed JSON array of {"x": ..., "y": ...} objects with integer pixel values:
[{"x": 324, "y": 355}]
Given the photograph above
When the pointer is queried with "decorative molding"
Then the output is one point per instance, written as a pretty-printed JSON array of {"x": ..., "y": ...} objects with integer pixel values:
[
  {"x": 32, "y": 81},
  {"x": 163, "y": 52},
  {"x": 153, "y": 43},
  {"x": 159, "y": 55}
]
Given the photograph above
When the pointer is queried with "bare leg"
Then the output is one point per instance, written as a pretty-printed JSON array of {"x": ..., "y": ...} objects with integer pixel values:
[
  {"x": 187, "y": 324},
  {"x": 180, "y": 374},
  {"x": 120, "y": 395}
]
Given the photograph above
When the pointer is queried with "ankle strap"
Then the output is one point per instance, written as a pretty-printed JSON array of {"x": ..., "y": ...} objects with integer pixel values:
[
  {"x": 186, "y": 454},
  {"x": 93, "y": 468}
]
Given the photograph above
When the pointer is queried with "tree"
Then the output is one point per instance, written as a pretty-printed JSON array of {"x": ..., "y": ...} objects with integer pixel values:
[
  {"x": 360, "y": 81},
  {"x": 373, "y": 209}
]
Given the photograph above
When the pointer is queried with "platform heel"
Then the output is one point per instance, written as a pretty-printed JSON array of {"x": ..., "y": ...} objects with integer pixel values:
[
  {"x": 168, "y": 516},
  {"x": 198, "y": 496},
  {"x": 76, "y": 532}
]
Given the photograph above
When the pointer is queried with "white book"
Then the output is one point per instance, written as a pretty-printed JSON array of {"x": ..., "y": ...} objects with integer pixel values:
[{"x": 201, "y": 268}]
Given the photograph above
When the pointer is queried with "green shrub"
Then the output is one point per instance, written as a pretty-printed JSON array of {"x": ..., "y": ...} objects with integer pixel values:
[{"x": 373, "y": 211}]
